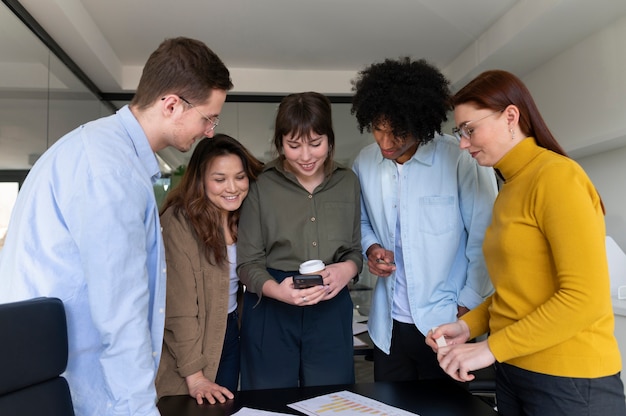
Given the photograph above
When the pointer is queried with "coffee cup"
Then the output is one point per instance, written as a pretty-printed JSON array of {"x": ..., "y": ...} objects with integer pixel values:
[{"x": 312, "y": 267}]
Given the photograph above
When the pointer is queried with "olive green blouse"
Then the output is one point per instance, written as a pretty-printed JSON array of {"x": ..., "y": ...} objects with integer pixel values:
[{"x": 282, "y": 224}]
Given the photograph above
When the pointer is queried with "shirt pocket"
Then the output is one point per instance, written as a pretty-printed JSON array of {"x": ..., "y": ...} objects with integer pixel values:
[{"x": 436, "y": 214}]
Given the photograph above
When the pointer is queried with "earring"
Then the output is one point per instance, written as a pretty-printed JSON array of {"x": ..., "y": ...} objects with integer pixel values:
[{"x": 512, "y": 134}]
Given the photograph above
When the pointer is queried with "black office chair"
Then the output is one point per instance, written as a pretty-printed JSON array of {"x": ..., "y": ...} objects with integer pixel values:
[
  {"x": 484, "y": 384},
  {"x": 33, "y": 355}
]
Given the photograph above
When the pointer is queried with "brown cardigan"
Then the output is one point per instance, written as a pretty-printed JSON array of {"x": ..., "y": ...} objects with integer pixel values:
[{"x": 196, "y": 309}]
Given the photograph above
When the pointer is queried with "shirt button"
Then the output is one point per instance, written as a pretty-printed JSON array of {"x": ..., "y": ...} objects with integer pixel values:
[
  {"x": 313, "y": 219},
  {"x": 310, "y": 196},
  {"x": 161, "y": 310},
  {"x": 314, "y": 243},
  {"x": 154, "y": 354}
]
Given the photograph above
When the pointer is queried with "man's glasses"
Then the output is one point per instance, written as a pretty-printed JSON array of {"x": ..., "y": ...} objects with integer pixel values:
[
  {"x": 464, "y": 131},
  {"x": 213, "y": 121}
]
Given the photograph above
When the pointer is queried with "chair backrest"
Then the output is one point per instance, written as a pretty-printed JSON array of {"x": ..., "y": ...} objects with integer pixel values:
[
  {"x": 33, "y": 355},
  {"x": 617, "y": 267}
]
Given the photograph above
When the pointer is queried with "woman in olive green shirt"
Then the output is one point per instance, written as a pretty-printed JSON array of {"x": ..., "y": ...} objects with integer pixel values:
[{"x": 303, "y": 206}]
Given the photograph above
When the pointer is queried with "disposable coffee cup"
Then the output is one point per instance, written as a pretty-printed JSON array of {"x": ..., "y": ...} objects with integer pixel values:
[{"x": 312, "y": 267}]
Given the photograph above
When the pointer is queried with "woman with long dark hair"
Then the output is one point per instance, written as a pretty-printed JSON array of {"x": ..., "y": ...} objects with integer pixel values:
[{"x": 199, "y": 219}]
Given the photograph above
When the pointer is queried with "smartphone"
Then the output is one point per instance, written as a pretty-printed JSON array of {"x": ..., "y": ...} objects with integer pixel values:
[{"x": 302, "y": 281}]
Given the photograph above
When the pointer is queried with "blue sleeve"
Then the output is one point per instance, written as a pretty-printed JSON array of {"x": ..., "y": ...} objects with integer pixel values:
[
  {"x": 477, "y": 192},
  {"x": 368, "y": 236}
]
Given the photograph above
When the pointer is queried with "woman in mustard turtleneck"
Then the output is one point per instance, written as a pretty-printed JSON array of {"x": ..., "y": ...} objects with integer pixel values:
[{"x": 550, "y": 320}]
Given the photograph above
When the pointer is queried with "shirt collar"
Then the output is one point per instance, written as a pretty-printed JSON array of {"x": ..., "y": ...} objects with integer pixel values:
[
  {"x": 425, "y": 153},
  {"x": 277, "y": 165},
  {"x": 140, "y": 143}
]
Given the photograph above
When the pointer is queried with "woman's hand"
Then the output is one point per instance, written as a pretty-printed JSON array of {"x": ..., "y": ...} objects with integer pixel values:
[
  {"x": 458, "y": 360},
  {"x": 337, "y": 276},
  {"x": 285, "y": 292},
  {"x": 454, "y": 333},
  {"x": 201, "y": 388}
]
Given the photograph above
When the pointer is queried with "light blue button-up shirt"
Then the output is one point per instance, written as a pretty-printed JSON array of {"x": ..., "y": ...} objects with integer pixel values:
[
  {"x": 85, "y": 228},
  {"x": 445, "y": 205}
]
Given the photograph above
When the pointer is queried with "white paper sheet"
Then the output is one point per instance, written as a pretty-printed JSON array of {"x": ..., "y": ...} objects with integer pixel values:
[
  {"x": 346, "y": 403},
  {"x": 247, "y": 411},
  {"x": 358, "y": 328}
]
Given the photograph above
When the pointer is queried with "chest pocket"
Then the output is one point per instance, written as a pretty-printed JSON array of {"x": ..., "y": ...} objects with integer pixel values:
[{"x": 437, "y": 214}]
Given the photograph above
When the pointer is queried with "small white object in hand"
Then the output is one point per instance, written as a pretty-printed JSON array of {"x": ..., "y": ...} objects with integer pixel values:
[{"x": 441, "y": 341}]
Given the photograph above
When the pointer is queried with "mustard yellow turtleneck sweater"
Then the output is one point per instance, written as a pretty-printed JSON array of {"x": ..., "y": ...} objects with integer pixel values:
[{"x": 545, "y": 252}]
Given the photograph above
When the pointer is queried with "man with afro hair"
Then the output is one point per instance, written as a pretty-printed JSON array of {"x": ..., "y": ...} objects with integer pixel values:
[{"x": 424, "y": 210}]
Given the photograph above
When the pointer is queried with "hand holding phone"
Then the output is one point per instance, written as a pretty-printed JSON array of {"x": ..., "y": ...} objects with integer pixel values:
[{"x": 303, "y": 281}]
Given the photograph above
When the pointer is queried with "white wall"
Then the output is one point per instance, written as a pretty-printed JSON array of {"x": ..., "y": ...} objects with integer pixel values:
[
  {"x": 582, "y": 95},
  {"x": 608, "y": 172}
]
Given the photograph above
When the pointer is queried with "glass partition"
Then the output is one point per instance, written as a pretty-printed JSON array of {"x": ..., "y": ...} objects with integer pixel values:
[
  {"x": 40, "y": 98},
  {"x": 40, "y": 101}
]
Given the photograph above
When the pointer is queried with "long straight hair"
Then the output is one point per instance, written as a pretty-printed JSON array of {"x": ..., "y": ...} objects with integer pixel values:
[{"x": 496, "y": 90}]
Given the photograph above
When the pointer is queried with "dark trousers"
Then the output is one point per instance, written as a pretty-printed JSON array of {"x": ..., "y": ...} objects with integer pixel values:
[
  {"x": 228, "y": 370},
  {"x": 409, "y": 357},
  {"x": 284, "y": 345},
  {"x": 522, "y": 392}
]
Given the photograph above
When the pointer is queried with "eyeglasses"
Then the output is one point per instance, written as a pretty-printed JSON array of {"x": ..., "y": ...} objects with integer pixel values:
[
  {"x": 213, "y": 121},
  {"x": 465, "y": 131}
]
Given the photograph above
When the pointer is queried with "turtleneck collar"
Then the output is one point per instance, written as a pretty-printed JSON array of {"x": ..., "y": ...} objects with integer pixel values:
[{"x": 517, "y": 158}]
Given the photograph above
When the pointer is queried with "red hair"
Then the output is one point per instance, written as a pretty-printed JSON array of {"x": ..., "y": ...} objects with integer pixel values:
[{"x": 496, "y": 90}]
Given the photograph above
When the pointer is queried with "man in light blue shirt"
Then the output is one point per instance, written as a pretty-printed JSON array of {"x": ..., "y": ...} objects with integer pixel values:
[
  {"x": 424, "y": 209},
  {"x": 85, "y": 228}
]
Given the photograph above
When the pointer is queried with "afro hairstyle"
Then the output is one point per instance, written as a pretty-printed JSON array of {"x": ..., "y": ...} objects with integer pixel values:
[{"x": 413, "y": 97}]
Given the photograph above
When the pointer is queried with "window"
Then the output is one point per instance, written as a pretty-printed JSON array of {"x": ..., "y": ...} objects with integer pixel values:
[{"x": 8, "y": 195}]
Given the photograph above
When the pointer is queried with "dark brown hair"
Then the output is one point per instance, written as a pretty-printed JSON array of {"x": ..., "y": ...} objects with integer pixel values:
[
  {"x": 182, "y": 66},
  {"x": 496, "y": 90},
  {"x": 190, "y": 201},
  {"x": 302, "y": 114}
]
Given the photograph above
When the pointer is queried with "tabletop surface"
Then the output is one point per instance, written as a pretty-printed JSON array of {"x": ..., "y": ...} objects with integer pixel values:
[{"x": 426, "y": 398}]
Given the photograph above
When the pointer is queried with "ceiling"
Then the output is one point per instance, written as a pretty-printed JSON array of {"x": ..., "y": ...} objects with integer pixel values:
[
  {"x": 110, "y": 40},
  {"x": 274, "y": 47}
]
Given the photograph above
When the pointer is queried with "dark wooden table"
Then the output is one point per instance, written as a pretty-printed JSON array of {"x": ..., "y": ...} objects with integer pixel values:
[{"x": 426, "y": 398}]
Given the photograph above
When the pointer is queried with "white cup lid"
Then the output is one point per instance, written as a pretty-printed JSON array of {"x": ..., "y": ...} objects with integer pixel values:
[{"x": 312, "y": 266}]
